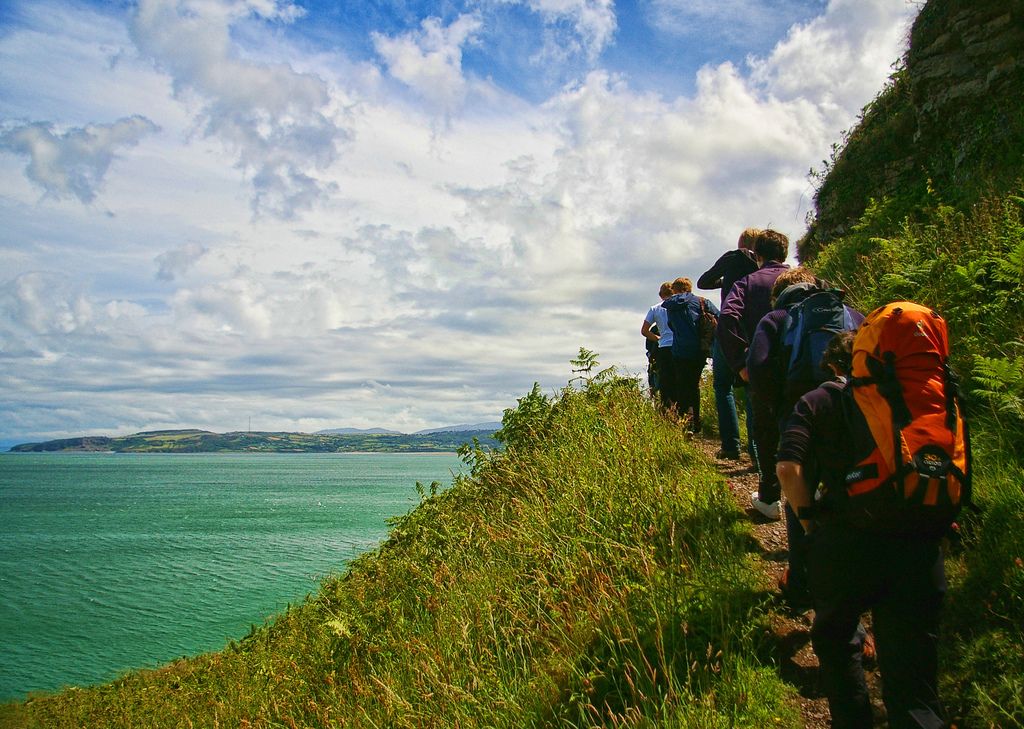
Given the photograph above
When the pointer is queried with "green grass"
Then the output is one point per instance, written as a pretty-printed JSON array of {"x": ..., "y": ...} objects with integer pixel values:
[{"x": 595, "y": 573}]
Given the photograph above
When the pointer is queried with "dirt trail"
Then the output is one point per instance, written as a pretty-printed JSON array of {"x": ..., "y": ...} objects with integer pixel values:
[{"x": 797, "y": 663}]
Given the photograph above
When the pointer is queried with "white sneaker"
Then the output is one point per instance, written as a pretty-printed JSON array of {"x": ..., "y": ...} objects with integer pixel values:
[{"x": 770, "y": 511}]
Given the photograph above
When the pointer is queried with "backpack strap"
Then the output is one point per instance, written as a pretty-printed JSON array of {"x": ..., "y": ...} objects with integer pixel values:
[
  {"x": 884, "y": 376},
  {"x": 952, "y": 396},
  {"x": 848, "y": 319},
  {"x": 955, "y": 404}
]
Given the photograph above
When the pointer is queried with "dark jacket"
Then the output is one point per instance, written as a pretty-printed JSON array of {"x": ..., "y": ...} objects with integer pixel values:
[
  {"x": 730, "y": 268},
  {"x": 768, "y": 357},
  {"x": 749, "y": 300}
]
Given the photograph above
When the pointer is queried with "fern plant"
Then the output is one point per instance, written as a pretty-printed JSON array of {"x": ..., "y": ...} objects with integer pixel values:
[{"x": 1000, "y": 381}]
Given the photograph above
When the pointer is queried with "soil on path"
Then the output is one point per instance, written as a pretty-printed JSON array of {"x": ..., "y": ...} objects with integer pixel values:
[{"x": 791, "y": 628}]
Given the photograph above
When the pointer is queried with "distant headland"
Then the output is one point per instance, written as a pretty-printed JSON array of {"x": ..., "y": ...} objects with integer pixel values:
[{"x": 345, "y": 440}]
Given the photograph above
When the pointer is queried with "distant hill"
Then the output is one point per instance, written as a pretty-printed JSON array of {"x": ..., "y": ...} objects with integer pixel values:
[
  {"x": 463, "y": 428},
  {"x": 491, "y": 427},
  {"x": 202, "y": 441}
]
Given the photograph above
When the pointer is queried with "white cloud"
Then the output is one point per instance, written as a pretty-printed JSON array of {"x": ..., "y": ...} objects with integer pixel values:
[
  {"x": 73, "y": 163},
  {"x": 42, "y": 304},
  {"x": 429, "y": 60},
  {"x": 174, "y": 263},
  {"x": 839, "y": 59},
  {"x": 593, "y": 23},
  {"x": 276, "y": 120},
  {"x": 418, "y": 279}
]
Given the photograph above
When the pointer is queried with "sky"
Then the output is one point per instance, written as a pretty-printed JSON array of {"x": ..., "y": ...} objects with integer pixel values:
[{"x": 298, "y": 215}]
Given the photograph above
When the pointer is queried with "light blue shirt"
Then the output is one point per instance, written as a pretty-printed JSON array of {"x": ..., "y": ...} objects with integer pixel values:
[{"x": 658, "y": 315}]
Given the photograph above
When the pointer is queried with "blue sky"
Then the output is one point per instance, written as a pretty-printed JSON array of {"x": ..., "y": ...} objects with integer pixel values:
[{"x": 320, "y": 215}]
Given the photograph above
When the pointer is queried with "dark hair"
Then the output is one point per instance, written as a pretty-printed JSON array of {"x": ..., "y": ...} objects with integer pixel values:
[
  {"x": 771, "y": 245},
  {"x": 839, "y": 352}
]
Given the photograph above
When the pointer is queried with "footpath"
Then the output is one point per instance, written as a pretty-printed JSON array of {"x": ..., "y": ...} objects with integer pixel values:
[{"x": 791, "y": 629}]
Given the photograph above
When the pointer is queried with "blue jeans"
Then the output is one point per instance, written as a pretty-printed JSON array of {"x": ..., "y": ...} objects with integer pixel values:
[{"x": 725, "y": 401}]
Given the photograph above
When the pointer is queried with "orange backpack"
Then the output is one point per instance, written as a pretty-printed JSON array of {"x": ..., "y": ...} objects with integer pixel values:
[{"x": 917, "y": 474}]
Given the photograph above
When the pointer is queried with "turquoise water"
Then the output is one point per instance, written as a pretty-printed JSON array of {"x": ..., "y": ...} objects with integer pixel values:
[{"x": 110, "y": 562}]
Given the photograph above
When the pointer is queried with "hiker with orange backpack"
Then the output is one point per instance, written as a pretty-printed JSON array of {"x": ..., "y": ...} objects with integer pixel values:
[{"x": 891, "y": 454}]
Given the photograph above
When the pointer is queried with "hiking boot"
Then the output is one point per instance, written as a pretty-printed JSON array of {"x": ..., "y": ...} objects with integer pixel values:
[
  {"x": 724, "y": 455},
  {"x": 771, "y": 511}
]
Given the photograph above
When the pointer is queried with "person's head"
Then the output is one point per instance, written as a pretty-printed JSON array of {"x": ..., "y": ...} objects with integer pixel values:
[
  {"x": 682, "y": 286},
  {"x": 665, "y": 290},
  {"x": 792, "y": 276},
  {"x": 771, "y": 245},
  {"x": 838, "y": 353},
  {"x": 747, "y": 238}
]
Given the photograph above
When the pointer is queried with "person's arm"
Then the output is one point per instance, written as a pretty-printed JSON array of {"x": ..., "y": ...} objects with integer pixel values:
[
  {"x": 730, "y": 331},
  {"x": 794, "y": 485},
  {"x": 712, "y": 278},
  {"x": 796, "y": 451},
  {"x": 646, "y": 331},
  {"x": 761, "y": 358}
]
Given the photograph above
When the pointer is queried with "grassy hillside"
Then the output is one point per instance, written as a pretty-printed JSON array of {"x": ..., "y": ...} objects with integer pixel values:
[{"x": 594, "y": 573}]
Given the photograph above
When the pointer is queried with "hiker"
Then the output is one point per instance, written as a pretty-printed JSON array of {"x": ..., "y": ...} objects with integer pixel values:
[
  {"x": 746, "y": 303},
  {"x": 656, "y": 329},
  {"x": 729, "y": 268},
  {"x": 691, "y": 345},
  {"x": 872, "y": 546},
  {"x": 783, "y": 364},
  {"x": 651, "y": 347}
]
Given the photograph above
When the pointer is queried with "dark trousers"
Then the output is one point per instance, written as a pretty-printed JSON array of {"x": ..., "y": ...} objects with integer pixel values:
[
  {"x": 797, "y": 552},
  {"x": 765, "y": 434},
  {"x": 688, "y": 371},
  {"x": 666, "y": 377},
  {"x": 902, "y": 581}
]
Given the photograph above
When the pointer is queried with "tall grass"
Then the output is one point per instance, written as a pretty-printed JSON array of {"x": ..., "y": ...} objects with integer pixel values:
[{"x": 594, "y": 573}]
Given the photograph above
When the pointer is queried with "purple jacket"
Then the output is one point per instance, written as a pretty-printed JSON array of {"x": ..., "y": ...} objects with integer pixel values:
[{"x": 749, "y": 300}]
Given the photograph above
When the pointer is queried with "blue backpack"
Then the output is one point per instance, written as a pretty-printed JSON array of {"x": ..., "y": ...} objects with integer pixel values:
[
  {"x": 810, "y": 325},
  {"x": 693, "y": 323}
]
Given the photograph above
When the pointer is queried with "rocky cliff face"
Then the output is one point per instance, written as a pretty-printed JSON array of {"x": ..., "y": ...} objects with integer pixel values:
[
  {"x": 953, "y": 117},
  {"x": 965, "y": 57}
]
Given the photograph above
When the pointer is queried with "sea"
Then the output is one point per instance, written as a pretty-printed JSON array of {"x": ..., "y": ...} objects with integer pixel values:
[{"x": 113, "y": 562}]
